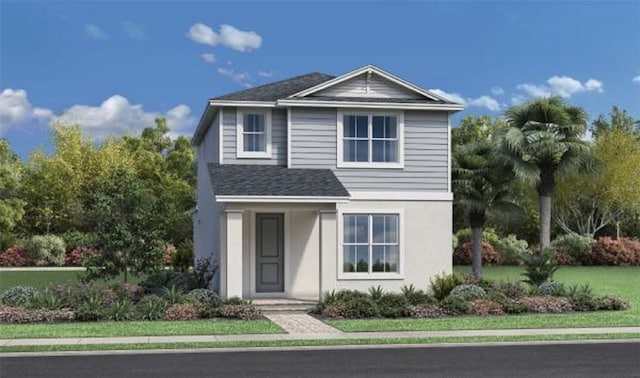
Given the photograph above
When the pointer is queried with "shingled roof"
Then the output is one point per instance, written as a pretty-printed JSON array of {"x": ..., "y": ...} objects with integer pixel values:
[
  {"x": 274, "y": 180},
  {"x": 278, "y": 90}
]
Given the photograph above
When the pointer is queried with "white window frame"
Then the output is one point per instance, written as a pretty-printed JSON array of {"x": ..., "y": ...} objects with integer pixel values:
[
  {"x": 342, "y": 275},
  {"x": 370, "y": 164},
  {"x": 240, "y": 152}
]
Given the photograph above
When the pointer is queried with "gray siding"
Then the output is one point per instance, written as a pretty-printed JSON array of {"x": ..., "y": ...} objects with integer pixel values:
[
  {"x": 378, "y": 87},
  {"x": 313, "y": 145},
  {"x": 278, "y": 139}
]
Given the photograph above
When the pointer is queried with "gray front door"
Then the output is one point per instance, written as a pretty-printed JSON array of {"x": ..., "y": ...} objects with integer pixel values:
[{"x": 269, "y": 253}]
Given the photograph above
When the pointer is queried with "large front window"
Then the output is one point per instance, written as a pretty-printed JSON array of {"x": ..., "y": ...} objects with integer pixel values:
[
  {"x": 370, "y": 139},
  {"x": 371, "y": 243},
  {"x": 254, "y": 134}
]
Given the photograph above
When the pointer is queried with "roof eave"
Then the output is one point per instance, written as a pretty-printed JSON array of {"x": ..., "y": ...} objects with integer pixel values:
[
  {"x": 281, "y": 199},
  {"x": 453, "y": 107}
]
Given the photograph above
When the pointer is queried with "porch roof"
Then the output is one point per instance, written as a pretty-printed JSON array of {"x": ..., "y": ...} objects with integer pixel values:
[{"x": 271, "y": 181}]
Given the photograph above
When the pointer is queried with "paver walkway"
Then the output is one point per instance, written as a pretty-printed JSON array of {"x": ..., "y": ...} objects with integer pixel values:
[{"x": 301, "y": 323}]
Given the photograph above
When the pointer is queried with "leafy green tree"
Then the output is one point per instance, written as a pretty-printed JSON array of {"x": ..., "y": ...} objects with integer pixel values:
[
  {"x": 481, "y": 181},
  {"x": 619, "y": 119},
  {"x": 124, "y": 211},
  {"x": 476, "y": 129},
  {"x": 543, "y": 143},
  {"x": 11, "y": 205}
]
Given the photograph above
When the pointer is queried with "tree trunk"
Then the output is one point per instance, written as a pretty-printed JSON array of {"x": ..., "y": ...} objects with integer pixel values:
[
  {"x": 545, "y": 221},
  {"x": 476, "y": 264}
]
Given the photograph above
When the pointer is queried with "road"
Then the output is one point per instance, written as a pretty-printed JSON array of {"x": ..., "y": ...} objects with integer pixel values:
[{"x": 574, "y": 360}]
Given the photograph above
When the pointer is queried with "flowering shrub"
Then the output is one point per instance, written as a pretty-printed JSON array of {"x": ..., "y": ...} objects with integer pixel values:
[
  {"x": 240, "y": 311},
  {"x": 621, "y": 251},
  {"x": 426, "y": 311},
  {"x": 468, "y": 292},
  {"x": 464, "y": 252},
  {"x": 78, "y": 255},
  {"x": 181, "y": 311},
  {"x": 485, "y": 307},
  {"x": 11, "y": 314},
  {"x": 15, "y": 256},
  {"x": 546, "y": 304}
]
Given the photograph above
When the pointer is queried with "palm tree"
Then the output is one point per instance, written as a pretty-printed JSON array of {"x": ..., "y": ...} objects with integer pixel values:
[
  {"x": 481, "y": 182},
  {"x": 542, "y": 142}
]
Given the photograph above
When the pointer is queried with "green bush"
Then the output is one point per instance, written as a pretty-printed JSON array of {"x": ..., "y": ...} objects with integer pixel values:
[
  {"x": 576, "y": 247},
  {"x": 74, "y": 239},
  {"x": 540, "y": 267},
  {"x": 240, "y": 311},
  {"x": 551, "y": 288},
  {"x": 511, "y": 289},
  {"x": 468, "y": 292},
  {"x": 454, "y": 305},
  {"x": 441, "y": 285},
  {"x": 354, "y": 308},
  {"x": 393, "y": 305},
  {"x": 376, "y": 292},
  {"x": 121, "y": 310},
  {"x": 415, "y": 296},
  {"x": 91, "y": 309},
  {"x": 46, "y": 250},
  {"x": 489, "y": 235},
  {"x": 512, "y": 249},
  {"x": 174, "y": 295},
  {"x": 18, "y": 296},
  {"x": 611, "y": 303},
  {"x": 205, "y": 297},
  {"x": 47, "y": 300},
  {"x": 581, "y": 298},
  {"x": 235, "y": 301},
  {"x": 183, "y": 258},
  {"x": 151, "y": 307}
]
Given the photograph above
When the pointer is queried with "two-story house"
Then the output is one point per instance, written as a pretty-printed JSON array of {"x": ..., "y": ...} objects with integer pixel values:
[{"x": 318, "y": 182}]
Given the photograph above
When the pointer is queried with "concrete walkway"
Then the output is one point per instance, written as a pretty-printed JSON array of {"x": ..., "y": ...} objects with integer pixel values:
[
  {"x": 300, "y": 324},
  {"x": 317, "y": 336}
]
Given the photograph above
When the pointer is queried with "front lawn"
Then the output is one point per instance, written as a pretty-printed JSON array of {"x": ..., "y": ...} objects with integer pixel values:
[
  {"x": 138, "y": 328},
  {"x": 621, "y": 281},
  {"x": 40, "y": 279}
]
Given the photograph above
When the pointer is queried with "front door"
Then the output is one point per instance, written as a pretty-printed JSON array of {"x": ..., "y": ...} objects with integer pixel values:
[{"x": 269, "y": 253}]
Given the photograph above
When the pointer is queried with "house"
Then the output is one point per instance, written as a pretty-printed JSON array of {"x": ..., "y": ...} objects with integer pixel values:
[{"x": 317, "y": 183}]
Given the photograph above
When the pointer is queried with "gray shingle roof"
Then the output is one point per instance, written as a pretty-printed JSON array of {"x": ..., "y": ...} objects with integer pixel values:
[
  {"x": 277, "y": 90},
  {"x": 274, "y": 180},
  {"x": 374, "y": 99}
]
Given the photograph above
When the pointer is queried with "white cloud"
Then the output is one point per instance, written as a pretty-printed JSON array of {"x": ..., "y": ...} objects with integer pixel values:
[
  {"x": 209, "y": 58},
  {"x": 265, "y": 73},
  {"x": 133, "y": 30},
  {"x": 228, "y": 36},
  {"x": 481, "y": 102},
  {"x": 636, "y": 79},
  {"x": 518, "y": 99},
  {"x": 16, "y": 110},
  {"x": 116, "y": 116},
  {"x": 497, "y": 91},
  {"x": 241, "y": 78},
  {"x": 563, "y": 86},
  {"x": 94, "y": 32}
]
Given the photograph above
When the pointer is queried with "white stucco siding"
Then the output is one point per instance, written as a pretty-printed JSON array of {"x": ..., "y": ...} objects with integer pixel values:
[
  {"x": 304, "y": 254},
  {"x": 426, "y": 246}
]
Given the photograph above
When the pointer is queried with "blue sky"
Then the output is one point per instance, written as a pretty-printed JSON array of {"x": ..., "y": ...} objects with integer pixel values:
[{"x": 114, "y": 66}]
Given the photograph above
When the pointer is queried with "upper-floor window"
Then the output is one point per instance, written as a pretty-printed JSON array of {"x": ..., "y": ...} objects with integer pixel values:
[
  {"x": 370, "y": 140},
  {"x": 254, "y": 134}
]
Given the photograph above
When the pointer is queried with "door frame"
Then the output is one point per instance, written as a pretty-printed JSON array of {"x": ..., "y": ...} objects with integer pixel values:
[{"x": 286, "y": 254}]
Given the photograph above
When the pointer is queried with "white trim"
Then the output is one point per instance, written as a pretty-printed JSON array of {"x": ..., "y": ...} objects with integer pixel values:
[
  {"x": 240, "y": 152},
  {"x": 281, "y": 199},
  {"x": 288, "y": 137},
  {"x": 448, "y": 152},
  {"x": 254, "y": 104},
  {"x": 400, "y": 196},
  {"x": 340, "y": 163},
  {"x": 370, "y": 105},
  {"x": 371, "y": 276},
  {"x": 220, "y": 136}
]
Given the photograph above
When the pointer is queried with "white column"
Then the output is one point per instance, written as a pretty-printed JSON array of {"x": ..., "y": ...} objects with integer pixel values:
[
  {"x": 328, "y": 250},
  {"x": 233, "y": 260}
]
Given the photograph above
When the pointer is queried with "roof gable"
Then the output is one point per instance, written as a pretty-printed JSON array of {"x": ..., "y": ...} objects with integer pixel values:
[{"x": 277, "y": 90}]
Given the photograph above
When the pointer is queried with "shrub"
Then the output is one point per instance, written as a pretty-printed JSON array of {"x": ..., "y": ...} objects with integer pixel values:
[
  {"x": 198, "y": 277},
  {"x": 8, "y": 240},
  {"x": 121, "y": 310},
  {"x": 393, "y": 305},
  {"x": 441, "y": 285},
  {"x": 151, "y": 307},
  {"x": 551, "y": 288},
  {"x": 181, "y": 311},
  {"x": 15, "y": 256},
  {"x": 205, "y": 297},
  {"x": 489, "y": 235},
  {"x": 509, "y": 305},
  {"x": 463, "y": 255},
  {"x": 546, "y": 304},
  {"x": 576, "y": 248},
  {"x": 348, "y": 295},
  {"x": 74, "y": 239},
  {"x": 611, "y": 303},
  {"x": 621, "y": 251},
  {"x": 376, "y": 292},
  {"x": 18, "y": 296},
  {"x": 184, "y": 255},
  {"x": 415, "y": 296},
  {"x": 91, "y": 309},
  {"x": 454, "y": 305},
  {"x": 47, "y": 300},
  {"x": 46, "y": 250},
  {"x": 130, "y": 292},
  {"x": 169, "y": 254},
  {"x": 240, "y": 311},
  {"x": 540, "y": 267},
  {"x": 512, "y": 249},
  {"x": 468, "y": 292},
  {"x": 78, "y": 256},
  {"x": 485, "y": 307},
  {"x": 356, "y": 307},
  {"x": 75, "y": 295},
  {"x": 581, "y": 298},
  {"x": 12, "y": 314},
  {"x": 174, "y": 295},
  {"x": 426, "y": 311},
  {"x": 235, "y": 301},
  {"x": 511, "y": 289}
]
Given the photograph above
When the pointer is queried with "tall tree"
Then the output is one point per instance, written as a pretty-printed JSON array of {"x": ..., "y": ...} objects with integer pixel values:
[
  {"x": 481, "y": 181},
  {"x": 542, "y": 143},
  {"x": 11, "y": 206},
  {"x": 619, "y": 119}
]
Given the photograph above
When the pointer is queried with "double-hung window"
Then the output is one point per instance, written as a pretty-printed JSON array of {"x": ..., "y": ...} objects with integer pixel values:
[
  {"x": 371, "y": 244},
  {"x": 254, "y": 134},
  {"x": 370, "y": 140}
]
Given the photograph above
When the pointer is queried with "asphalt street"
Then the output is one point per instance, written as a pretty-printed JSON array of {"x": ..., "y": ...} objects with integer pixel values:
[{"x": 574, "y": 360}]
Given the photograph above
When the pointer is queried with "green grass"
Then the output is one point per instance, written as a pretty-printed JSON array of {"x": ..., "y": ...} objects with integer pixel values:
[
  {"x": 316, "y": 342},
  {"x": 622, "y": 281},
  {"x": 138, "y": 328},
  {"x": 40, "y": 279}
]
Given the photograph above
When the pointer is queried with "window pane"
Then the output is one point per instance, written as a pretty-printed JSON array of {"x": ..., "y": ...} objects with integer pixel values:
[
  {"x": 377, "y": 257},
  {"x": 349, "y": 150},
  {"x": 378, "y": 229},
  {"x": 391, "y": 228},
  {"x": 258, "y": 122},
  {"x": 260, "y": 142},
  {"x": 391, "y": 151},
  {"x": 362, "y": 257},
  {"x": 362, "y": 228},
  {"x": 349, "y": 259},
  {"x": 349, "y": 229},
  {"x": 390, "y": 127},
  {"x": 377, "y": 150},
  {"x": 249, "y": 123},
  {"x": 378, "y": 126},
  {"x": 362, "y": 127},
  {"x": 349, "y": 126},
  {"x": 249, "y": 142},
  {"x": 362, "y": 150},
  {"x": 392, "y": 258}
]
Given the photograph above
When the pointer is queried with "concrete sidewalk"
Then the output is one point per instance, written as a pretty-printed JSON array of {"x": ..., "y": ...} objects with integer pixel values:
[{"x": 316, "y": 336}]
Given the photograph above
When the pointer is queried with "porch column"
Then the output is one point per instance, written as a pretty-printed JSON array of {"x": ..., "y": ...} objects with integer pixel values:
[
  {"x": 328, "y": 250},
  {"x": 233, "y": 261}
]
